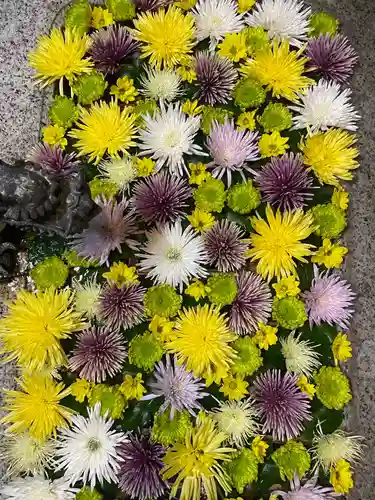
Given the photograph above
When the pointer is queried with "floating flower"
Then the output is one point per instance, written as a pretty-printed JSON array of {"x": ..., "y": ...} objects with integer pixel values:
[
  {"x": 329, "y": 254},
  {"x": 112, "y": 403},
  {"x": 237, "y": 419},
  {"x": 306, "y": 387},
  {"x": 122, "y": 10},
  {"x": 249, "y": 93},
  {"x": 243, "y": 197},
  {"x": 210, "y": 195},
  {"x": 63, "y": 111},
  {"x": 233, "y": 46},
  {"x": 162, "y": 300},
  {"x": 246, "y": 121},
  {"x": 234, "y": 387},
  {"x": 145, "y": 350},
  {"x": 265, "y": 336},
  {"x": 322, "y": 23},
  {"x": 162, "y": 328},
  {"x": 89, "y": 88},
  {"x": 332, "y": 387},
  {"x": 167, "y": 431},
  {"x": 291, "y": 458},
  {"x": 259, "y": 447},
  {"x": 120, "y": 274},
  {"x": 51, "y": 272},
  {"x": 198, "y": 173},
  {"x": 242, "y": 469},
  {"x": 289, "y": 312},
  {"x": 78, "y": 17},
  {"x": 308, "y": 491},
  {"x": 341, "y": 477},
  {"x": 132, "y": 387},
  {"x": 124, "y": 90},
  {"x": 275, "y": 116},
  {"x": 38, "y": 487},
  {"x": 287, "y": 287},
  {"x": 87, "y": 297},
  {"x": 196, "y": 289},
  {"x": 119, "y": 171},
  {"x": 145, "y": 166},
  {"x": 341, "y": 348},
  {"x": 101, "y": 18},
  {"x": 122, "y": 307},
  {"x": 201, "y": 220},
  {"x": 248, "y": 359},
  {"x": 221, "y": 289},
  {"x": 273, "y": 144},
  {"x": 330, "y": 221},
  {"x": 161, "y": 84},
  {"x": 53, "y": 159},
  {"x": 301, "y": 357},
  {"x": 81, "y": 389}
]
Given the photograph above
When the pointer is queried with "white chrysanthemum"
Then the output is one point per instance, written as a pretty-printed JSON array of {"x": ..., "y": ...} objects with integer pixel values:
[
  {"x": 88, "y": 450},
  {"x": 161, "y": 84},
  {"x": 284, "y": 19},
  {"x": 300, "y": 356},
  {"x": 325, "y": 105},
  {"x": 87, "y": 297},
  {"x": 237, "y": 420},
  {"x": 168, "y": 135},
  {"x": 173, "y": 256},
  {"x": 37, "y": 488},
  {"x": 120, "y": 171},
  {"x": 328, "y": 449},
  {"x": 216, "y": 18}
]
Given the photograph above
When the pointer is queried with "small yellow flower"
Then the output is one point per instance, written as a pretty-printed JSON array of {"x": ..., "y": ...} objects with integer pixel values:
[
  {"x": 197, "y": 289},
  {"x": 132, "y": 387},
  {"x": 198, "y": 173},
  {"x": 259, "y": 447},
  {"x": 186, "y": 4},
  {"x": 306, "y": 387},
  {"x": 145, "y": 166},
  {"x": 234, "y": 387},
  {"x": 273, "y": 144},
  {"x": 246, "y": 121},
  {"x": 340, "y": 199},
  {"x": 100, "y": 18},
  {"x": 287, "y": 287},
  {"x": 329, "y": 254},
  {"x": 162, "y": 328},
  {"x": 341, "y": 348},
  {"x": 54, "y": 136},
  {"x": 245, "y": 5},
  {"x": 81, "y": 389},
  {"x": 124, "y": 90},
  {"x": 191, "y": 108},
  {"x": 120, "y": 273},
  {"x": 341, "y": 477},
  {"x": 233, "y": 47},
  {"x": 265, "y": 336},
  {"x": 201, "y": 220},
  {"x": 186, "y": 70}
]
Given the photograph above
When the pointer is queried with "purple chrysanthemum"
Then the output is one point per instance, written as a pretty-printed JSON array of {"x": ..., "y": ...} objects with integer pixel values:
[
  {"x": 285, "y": 182},
  {"x": 99, "y": 353},
  {"x": 332, "y": 57},
  {"x": 216, "y": 77},
  {"x": 309, "y": 491},
  {"x": 180, "y": 389},
  {"x": 231, "y": 148},
  {"x": 122, "y": 307},
  {"x": 252, "y": 305},
  {"x": 161, "y": 198},
  {"x": 281, "y": 405},
  {"x": 110, "y": 46},
  {"x": 329, "y": 300},
  {"x": 53, "y": 159},
  {"x": 224, "y": 247},
  {"x": 139, "y": 475},
  {"x": 151, "y": 5},
  {"x": 106, "y": 232}
]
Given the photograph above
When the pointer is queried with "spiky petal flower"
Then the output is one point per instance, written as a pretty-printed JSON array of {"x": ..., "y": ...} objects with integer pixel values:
[
  {"x": 180, "y": 389},
  {"x": 169, "y": 134},
  {"x": 139, "y": 475},
  {"x": 30, "y": 487},
  {"x": 88, "y": 451},
  {"x": 308, "y": 491},
  {"x": 332, "y": 57},
  {"x": 161, "y": 84},
  {"x": 224, "y": 246},
  {"x": 252, "y": 305},
  {"x": 281, "y": 405},
  {"x": 53, "y": 159},
  {"x": 173, "y": 256},
  {"x": 216, "y": 78},
  {"x": 99, "y": 353},
  {"x": 122, "y": 307},
  {"x": 284, "y": 19},
  {"x": 161, "y": 198},
  {"x": 119, "y": 171},
  {"x": 285, "y": 182},
  {"x": 231, "y": 149},
  {"x": 329, "y": 300},
  {"x": 329, "y": 449},
  {"x": 301, "y": 357},
  {"x": 325, "y": 105},
  {"x": 106, "y": 232}
]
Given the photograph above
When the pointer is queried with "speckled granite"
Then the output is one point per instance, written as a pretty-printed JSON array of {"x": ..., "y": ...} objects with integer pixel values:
[{"x": 21, "y": 105}]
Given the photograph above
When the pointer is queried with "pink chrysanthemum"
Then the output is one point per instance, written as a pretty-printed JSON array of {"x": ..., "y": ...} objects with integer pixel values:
[
  {"x": 309, "y": 491},
  {"x": 122, "y": 307},
  {"x": 53, "y": 159}
]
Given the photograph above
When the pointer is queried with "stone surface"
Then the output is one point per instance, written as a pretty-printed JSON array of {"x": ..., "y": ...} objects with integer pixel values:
[{"x": 21, "y": 21}]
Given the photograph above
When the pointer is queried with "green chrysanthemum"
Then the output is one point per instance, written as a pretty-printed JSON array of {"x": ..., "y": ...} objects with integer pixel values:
[
  {"x": 167, "y": 431},
  {"x": 102, "y": 187},
  {"x": 222, "y": 289},
  {"x": 243, "y": 469},
  {"x": 78, "y": 17},
  {"x": 289, "y": 312},
  {"x": 332, "y": 387},
  {"x": 51, "y": 272},
  {"x": 122, "y": 10},
  {"x": 248, "y": 359},
  {"x": 292, "y": 458},
  {"x": 110, "y": 399},
  {"x": 87, "y": 493},
  {"x": 74, "y": 260},
  {"x": 243, "y": 197},
  {"x": 63, "y": 111},
  {"x": 249, "y": 93},
  {"x": 162, "y": 300},
  {"x": 322, "y": 23},
  {"x": 145, "y": 350},
  {"x": 89, "y": 88},
  {"x": 256, "y": 39},
  {"x": 275, "y": 117},
  {"x": 210, "y": 114},
  {"x": 210, "y": 196},
  {"x": 331, "y": 221}
]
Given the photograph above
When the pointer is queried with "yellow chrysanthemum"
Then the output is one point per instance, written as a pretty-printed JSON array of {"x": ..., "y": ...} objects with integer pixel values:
[
  {"x": 166, "y": 36},
  {"x": 132, "y": 387},
  {"x": 104, "y": 128},
  {"x": 329, "y": 254},
  {"x": 145, "y": 166},
  {"x": 306, "y": 387},
  {"x": 340, "y": 198},
  {"x": 273, "y": 144},
  {"x": 246, "y": 120},
  {"x": 259, "y": 447},
  {"x": 196, "y": 462},
  {"x": 54, "y": 136},
  {"x": 81, "y": 389},
  {"x": 60, "y": 54},
  {"x": 35, "y": 324},
  {"x": 233, "y": 46},
  {"x": 331, "y": 155},
  {"x": 36, "y": 409},
  {"x": 234, "y": 387},
  {"x": 201, "y": 220},
  {"x": 202, "y": 341},
  {"x": 278, "y": 242},
  {"x": 191, "y": 108},
  {"x": 265, "y": 336},
  {"x": 162, "y": 328},
  {"x": 287, "y": 287},
  {"x": 341, "y": 477},
  {"x": 100, "y": 18},
  {"x": 120, "y": 274},
  {"x": 198, "y": 173},
  {"x": 280, "y": 69},
  {"x": 197, "y": 289},
  {"x": 341, "y": 348},
  {"x": 124, "y": 90}
]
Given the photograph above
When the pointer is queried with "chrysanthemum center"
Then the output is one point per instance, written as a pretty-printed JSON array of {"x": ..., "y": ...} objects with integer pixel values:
[
  {"x": 173, "y": 254},
  {"x": 93, "y": 444},
  {"x": 172, "y": 139}
]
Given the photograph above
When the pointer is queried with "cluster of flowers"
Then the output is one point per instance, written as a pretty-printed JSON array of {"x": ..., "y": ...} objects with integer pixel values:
[{"x": 188, "y": 342}]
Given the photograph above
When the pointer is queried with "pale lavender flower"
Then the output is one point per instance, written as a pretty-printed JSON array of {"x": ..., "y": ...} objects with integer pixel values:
[
  {"x": 122, "y": 307},
  {"x": 180, "y": 389},
  {"x": 252, "y": 305},
  {"x": 53, "y": 159},
  {"x": 329, "y": 300},
  {"x": 230, "y": 149},
  {"x": 281, "y": 405},
  {"x": 309, "y": 491}
]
